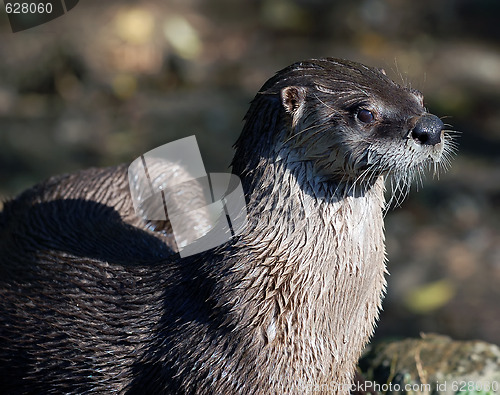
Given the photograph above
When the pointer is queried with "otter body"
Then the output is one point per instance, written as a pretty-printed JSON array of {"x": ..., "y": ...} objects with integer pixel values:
[{"x": 93, "y": 300}]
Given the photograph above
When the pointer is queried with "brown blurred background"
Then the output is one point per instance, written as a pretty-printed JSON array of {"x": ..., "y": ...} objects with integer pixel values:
[{"x": 111, "y": 80}]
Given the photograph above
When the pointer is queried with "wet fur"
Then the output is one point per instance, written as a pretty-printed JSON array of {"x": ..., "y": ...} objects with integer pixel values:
[{"x": 94, "y": 299}]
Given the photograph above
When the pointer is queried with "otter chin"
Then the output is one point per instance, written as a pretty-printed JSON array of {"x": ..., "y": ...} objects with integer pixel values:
[{"x": 94, "y": 299}]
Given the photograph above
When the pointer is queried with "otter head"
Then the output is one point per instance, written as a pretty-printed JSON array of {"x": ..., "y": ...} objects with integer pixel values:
[{"x": 352, "y": 123}]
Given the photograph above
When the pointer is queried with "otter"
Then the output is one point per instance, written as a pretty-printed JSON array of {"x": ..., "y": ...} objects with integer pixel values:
[{"x": 95, "y": 300}]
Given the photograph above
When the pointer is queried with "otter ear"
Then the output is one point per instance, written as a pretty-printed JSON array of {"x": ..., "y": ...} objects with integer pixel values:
[{"x": 293, "y": 98}]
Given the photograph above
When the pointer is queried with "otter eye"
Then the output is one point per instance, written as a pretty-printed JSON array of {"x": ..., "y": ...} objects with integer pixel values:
[{"x": 366, "y": 116}]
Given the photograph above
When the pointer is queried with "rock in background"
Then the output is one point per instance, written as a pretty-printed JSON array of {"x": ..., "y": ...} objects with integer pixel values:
[{"x": 433, "y": 364}]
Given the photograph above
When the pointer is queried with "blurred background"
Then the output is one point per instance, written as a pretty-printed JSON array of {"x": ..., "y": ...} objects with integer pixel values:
[{"x": 111, "y": 80}]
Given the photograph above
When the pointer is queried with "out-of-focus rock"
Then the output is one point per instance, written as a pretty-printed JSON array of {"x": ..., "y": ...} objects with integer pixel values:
[{"x": 433, "y": 364}]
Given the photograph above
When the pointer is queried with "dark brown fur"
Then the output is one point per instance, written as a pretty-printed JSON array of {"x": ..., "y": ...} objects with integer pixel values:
[{"x": 93, "y": 300}]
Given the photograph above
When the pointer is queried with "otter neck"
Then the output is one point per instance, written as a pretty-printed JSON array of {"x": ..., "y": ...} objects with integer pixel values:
[{"x": 313, "y": 289}]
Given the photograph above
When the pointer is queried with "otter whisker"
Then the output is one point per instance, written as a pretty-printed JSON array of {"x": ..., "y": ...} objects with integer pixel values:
[
  {"x": 312, "y": 126},
  {"x": 322, "y": 102},
  {"x": 400, "y": 182},
  {"x": 360, "y": 180},
  {"x": 321, "y": 129}
]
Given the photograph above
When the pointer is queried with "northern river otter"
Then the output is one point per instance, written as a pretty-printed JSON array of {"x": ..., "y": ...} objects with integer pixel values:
[{"x": 93, "y": 301}]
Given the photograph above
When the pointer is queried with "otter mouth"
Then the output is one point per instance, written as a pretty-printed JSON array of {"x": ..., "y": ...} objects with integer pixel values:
[
  {"x": 403, "y": 161},
  {"x": 415, "y": 159},
  {"x": 433, "y": 153},
  {"x": 428, "y": 135},
  {"x": 427, "y": 143}
]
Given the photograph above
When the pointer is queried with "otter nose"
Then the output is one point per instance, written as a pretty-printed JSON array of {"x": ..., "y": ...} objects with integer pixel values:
[{"x": 428, "y": 129}]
